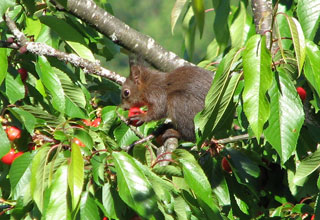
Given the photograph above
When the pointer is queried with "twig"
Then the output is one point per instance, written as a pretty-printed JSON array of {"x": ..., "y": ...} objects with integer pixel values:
[
  {"x": 138, "y": 133},
  {"x": 234, "y": 139},
  {"x": 45, "y": 50}
]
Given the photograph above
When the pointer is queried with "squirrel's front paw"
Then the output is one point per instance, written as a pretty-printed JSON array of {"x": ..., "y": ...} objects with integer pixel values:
[
  {"x": 137, "y": 120},
  {"x": 136, "y": 116}
]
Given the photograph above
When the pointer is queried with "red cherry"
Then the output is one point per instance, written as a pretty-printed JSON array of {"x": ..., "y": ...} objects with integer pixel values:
[
  {"x": 9, "y": 157},
  {"x": 105, "y": 218},
  {"x": 302, "y": 93},
  {"x": 18, "y": 154},
  {"x": 96, "y": 122},
  {"x": 313, "y": 217},
  {"x": 23, "y": 49},
  {"x": 23, "y": 73},
  {"x": 135, "y": 111},
  {"x": 86, "y": 122},
  {"x": 78, "y": 142},
  {"x": 13, "y": 133},
  {"x": 225, "y": 165},
  {"x": 10, "y": 40}
]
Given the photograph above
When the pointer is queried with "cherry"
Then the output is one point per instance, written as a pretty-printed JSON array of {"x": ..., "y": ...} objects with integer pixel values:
[
  {"x": 13, "y": 133},
  {"x": 302, "y": 93},
  {"x": 313, "y": 217},
  {"x": 225, "y": 165},
  {"x": 78, "y": 142},
  {"x": 10, "y": 40},
  {"x": 9, "y": 157},
  {"x": 96, "y": 122},
  {"x": 23, "y": 49},
  {"x": 133, "y": 111},
  {"x": 23, "y": 73},
  {"x": 105, "y": 218},
  {"x": 86, "y": 122}
]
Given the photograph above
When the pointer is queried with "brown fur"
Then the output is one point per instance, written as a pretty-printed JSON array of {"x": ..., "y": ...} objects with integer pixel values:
[{"x": 178, "y": 95}]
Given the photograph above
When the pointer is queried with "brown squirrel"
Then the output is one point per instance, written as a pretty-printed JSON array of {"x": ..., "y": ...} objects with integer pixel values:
[{"x": 178, "y": 95}]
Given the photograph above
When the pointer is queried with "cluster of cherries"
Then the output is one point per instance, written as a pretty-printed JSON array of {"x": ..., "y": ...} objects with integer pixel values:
[
  {"x": 95, "y": 123},
  {"x": 13, "y": 133}
]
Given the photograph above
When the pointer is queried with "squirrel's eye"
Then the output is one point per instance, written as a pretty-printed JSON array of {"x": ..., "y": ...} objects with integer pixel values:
[{"x": 126, "y": 93}]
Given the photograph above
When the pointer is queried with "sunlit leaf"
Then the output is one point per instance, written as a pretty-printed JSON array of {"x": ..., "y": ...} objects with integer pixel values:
[
  {"x": 257, "y": 80},
  {"x": 75, "y": 174}
]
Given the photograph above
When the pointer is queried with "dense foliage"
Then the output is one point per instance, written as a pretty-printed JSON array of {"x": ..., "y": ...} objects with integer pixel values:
[{"x": 63, "y": 135}]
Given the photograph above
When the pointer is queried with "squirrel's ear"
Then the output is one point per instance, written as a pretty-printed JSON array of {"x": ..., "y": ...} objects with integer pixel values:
[{"x": 136, "y": 72}]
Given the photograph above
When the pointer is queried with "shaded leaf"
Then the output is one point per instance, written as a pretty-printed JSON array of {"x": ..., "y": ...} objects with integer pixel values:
[{"x": 198, "y": 9}]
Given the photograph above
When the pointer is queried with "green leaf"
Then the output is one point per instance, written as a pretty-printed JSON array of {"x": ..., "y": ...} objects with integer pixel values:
[
  {"x": 308, "y": 12},
  {"x": 176, "y": 12},
  {"x": 168, "y": 170},
  {"x": 239, "y": 28},
  {"x": 75, "y": 175},
  {"x": 33, "y": 27},
  {"x": 39, "y": 176},
  {"x": 198, "y": 9},
  {"x": 219, "y": 95},
  {"x": 71, "y": 90},
  {"x": 72, "y": 110},
  {"x": 26, "y": 118},
  {"x": 124, "y": 135},
  {"x": 220, "y": 25},
  {"x": 14, "y": 88},
  {"x": 5, "y": 145},
  {"x": 108, "y": 201},
  {"x": 88, "y": 207},
  {"x": 20, "y": 177},
  {"x": 189, "y": 29},
  {"x": 4, "y": 5},
  {"x": 198, "y": 182},
  {"x": 72, "y": 37},
  {"x": 298, "y": 41},
  {"x": 3, "y": 64},
  {"x": 84, "y": 137},
  {"x": 257, "y": 81},
  {"x": 134, "y": 188},
  {"x": 286, "y": 119},
  {"x": 81, "y": 50},
  {"x": 312, "y": 67},
  {"x": 245, "y": 169},
  {"x": 50, "y": 80},
  {"x": 56, "y": 195},
  {"x": 306, "y": 167}
]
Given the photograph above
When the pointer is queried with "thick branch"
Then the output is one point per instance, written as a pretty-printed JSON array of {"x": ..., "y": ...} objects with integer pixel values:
[
  {"x": 122, "y": 34},
  {"x": 43, "y": 49}
]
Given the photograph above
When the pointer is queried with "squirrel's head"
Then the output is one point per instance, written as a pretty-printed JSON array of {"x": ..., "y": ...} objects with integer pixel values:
[{"x": 131, "y": 93}]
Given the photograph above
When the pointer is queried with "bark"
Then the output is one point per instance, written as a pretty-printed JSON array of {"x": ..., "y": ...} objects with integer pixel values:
[
  {"x": 123, "y": 35},
  {"x": 263, "y": 20}
]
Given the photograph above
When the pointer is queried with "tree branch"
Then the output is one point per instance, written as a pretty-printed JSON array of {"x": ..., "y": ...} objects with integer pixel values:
[
  {"x": 121, "y": 34},
  {"x": 43, "y": 49}
]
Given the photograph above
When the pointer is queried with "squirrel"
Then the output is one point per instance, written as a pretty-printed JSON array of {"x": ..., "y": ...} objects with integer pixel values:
[{"x": 178, "y": 95}]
